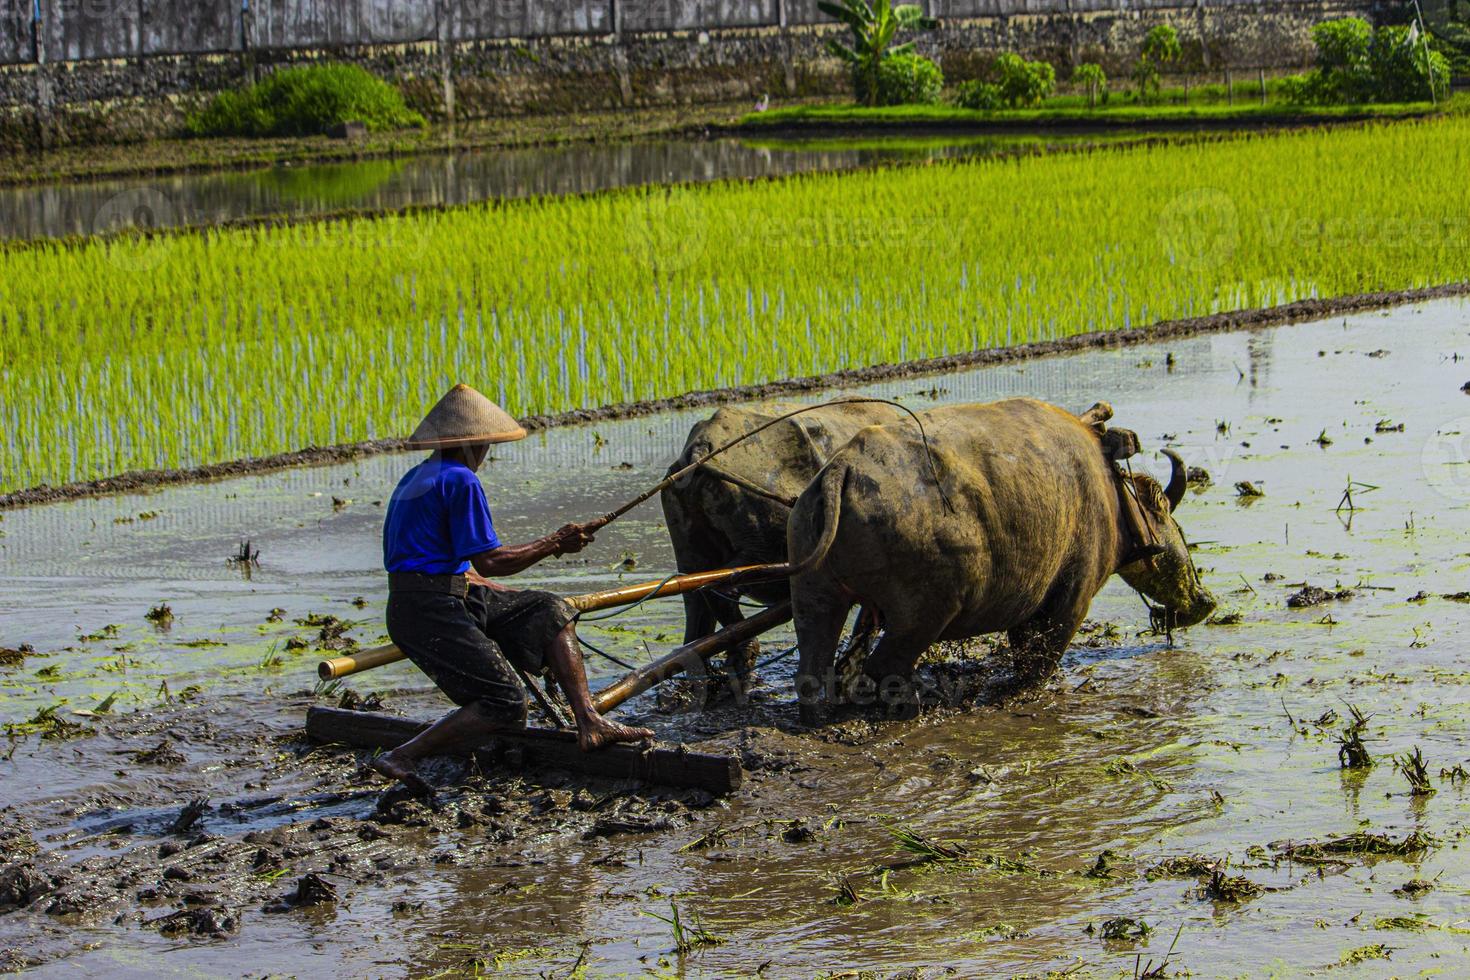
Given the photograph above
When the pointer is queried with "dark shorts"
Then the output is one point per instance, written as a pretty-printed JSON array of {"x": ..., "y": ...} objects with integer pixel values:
[{"x": 467, "y": 646}]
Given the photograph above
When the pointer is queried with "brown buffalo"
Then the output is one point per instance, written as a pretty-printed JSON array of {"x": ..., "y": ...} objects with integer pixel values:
[
  {"x": 733, "y": 510},
  {"x": 1012, "y": 522}
]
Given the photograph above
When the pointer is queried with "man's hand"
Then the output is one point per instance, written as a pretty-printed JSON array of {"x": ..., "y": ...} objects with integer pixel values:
[{"x": 572, "y": 538}]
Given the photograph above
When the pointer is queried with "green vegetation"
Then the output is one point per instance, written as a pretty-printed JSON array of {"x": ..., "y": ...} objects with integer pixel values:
[
  {"x": 1446, "y": 21},
  {"x": 1161, "y": 47},
  {"x": 181, "y": 349},
  {"x": 305, "y": 101},
  {"x": 1092, "y": 78},
  {"x": 874, "y": 28},
  {"x": 1356, "y": 64},
  {"x": 1073, "y": 111},
  {"x": 908, "y": 79},
  {"x": 1022, "y": 82}
]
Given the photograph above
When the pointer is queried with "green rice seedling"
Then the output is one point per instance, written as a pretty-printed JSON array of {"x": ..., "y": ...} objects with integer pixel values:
[
  {"x": 271, "y": 660},
  {"x": 927, "y": 850},
  {"x": 178, "y": 349},
  {"x": 688, "y": 935}
]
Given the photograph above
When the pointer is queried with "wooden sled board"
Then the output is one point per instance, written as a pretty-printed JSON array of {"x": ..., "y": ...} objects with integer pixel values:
[{"x": 540, "y": 748}]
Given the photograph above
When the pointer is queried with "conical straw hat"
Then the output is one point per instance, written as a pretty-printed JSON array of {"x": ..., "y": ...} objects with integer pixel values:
[{"x": 464, "y": 417}]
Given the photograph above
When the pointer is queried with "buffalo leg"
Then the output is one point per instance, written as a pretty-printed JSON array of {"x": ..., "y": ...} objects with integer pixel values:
[
  {"x": 1038, "y": 644},
  {"x": 704, "y": 612},
  {"x": 820, "y": 616},
  {"x": 889, "y": 670}
]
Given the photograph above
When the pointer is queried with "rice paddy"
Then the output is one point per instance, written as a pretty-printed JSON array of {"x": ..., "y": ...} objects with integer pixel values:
[{"x": 129, "y": 354}]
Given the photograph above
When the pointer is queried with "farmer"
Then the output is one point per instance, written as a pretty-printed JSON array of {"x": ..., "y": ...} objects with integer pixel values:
[{"x": 461, "y": 629}]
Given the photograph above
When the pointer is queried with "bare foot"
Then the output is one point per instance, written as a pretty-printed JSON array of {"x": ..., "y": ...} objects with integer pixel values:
[
  {"x": 598, "y": 732},
  {"x": 390, "y": 767}
]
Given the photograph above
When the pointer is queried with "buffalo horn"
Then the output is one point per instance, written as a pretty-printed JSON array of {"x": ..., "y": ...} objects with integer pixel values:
[{"x": 1174, "y": 492}]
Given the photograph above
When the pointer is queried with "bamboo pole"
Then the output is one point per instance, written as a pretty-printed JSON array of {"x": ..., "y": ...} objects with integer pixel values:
[
  {"x": 629, "y": 685},
  {"x": 354, "y": 663},
  {"x": 640, "y": 680}
]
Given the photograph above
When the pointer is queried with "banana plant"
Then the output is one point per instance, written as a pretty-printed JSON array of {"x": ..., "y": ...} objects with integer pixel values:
[{"x": 874, "y": 25}]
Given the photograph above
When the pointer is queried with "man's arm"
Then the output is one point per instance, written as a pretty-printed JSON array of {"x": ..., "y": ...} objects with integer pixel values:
[{"x": 508, "y": 559}]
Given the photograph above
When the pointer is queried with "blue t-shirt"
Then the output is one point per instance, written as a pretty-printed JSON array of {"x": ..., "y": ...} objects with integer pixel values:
[{"x": 438, "y": 518}]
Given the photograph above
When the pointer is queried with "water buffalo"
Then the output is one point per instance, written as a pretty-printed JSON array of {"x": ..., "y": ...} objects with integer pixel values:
[
  {"x": 733, "y": 511},
  {"x": 1014, "y": 526}
]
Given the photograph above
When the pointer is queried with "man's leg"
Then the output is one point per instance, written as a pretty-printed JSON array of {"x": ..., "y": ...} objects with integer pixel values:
[
  {"x": 564, "y": 657},
  {"x": 460, "y": 727}
]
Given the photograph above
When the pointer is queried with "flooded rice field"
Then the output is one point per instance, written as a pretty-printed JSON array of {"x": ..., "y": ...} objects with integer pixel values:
[
  {"x": 1178, "y": 808},
  {"x": 441, "y": 180}
]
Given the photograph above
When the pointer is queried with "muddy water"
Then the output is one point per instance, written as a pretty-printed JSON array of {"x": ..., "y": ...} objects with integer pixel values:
[
  {"x": 1208, "y": 748},
  {"x": 50, "y": 211}
]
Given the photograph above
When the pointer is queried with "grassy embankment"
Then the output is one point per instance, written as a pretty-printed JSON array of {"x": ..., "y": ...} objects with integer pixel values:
[
  {"x": 1073, "y": 112},
  {"x": 194, "y": 348},
  {"x": 189, "y": 155}
]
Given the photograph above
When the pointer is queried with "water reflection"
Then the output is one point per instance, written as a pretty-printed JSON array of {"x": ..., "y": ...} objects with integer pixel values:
[{"x": 458, "y": 178}]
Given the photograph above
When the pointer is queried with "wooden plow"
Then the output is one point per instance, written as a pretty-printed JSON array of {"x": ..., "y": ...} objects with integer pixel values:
[{"x": 555, "y": 748}]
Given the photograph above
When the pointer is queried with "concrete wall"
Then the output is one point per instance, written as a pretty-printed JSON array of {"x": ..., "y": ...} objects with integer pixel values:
[
  {"x": 129, "y": 69},
  {"x": 84, "y": 30}
]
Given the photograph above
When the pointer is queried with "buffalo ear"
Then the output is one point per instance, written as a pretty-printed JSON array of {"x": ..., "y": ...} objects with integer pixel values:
[{"x": 1174, "y": 492}]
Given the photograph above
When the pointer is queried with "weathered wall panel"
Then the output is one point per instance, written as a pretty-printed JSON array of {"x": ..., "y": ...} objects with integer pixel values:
[
  {"x": 398, "y": 22},
  {"x": 170, "y": 26},
  {"x": 15, "y": 31},
  {"x": 86, "y": 30},
  {"x": 98, "y": 29}
]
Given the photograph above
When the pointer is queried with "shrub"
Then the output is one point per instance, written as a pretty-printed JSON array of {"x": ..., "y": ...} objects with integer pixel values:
[
  {"x": 1404, "y": 69},
  {"x": 1022, "y": 82},
  {"x": 978, "y": 95},
  {"x": 1092, "y": 77},
  {"x": 903, "y": 79},
  {"x": 303, "y": 102},
  {"x": 1357, "y": 64}
]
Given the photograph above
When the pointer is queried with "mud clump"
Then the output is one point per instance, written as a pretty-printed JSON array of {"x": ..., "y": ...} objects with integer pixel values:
[
  {"x": 22, "y": 884},
  {"x": 1311, "y": 595},
  {"x": 1414, "y": 888},
  {"x": 189, "y": 816},
  {"x": 352, "y": 701},
  {"x": 311, "y": 889},
  {"x": 1229, "y": 889},
  {"x": 162, "y": 754},
  {"x": 331, "y": 632},
  {"x": 1188, "y": 866},
  {"x": 14, "y": 656},
  {"x": 201, "y": 921},
  {"x": 1356, "y": 845}
]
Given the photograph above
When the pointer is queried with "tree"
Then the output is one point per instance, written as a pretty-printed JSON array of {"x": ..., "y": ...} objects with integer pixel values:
[
  {"x": 1160, "y": 47},
  {"x": 1095, "y": 80},
  {"x": 874, "y": 26}
]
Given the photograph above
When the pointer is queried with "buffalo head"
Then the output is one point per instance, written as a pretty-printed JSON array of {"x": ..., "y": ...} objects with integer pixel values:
[{"x": 1168, "y": 578}]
